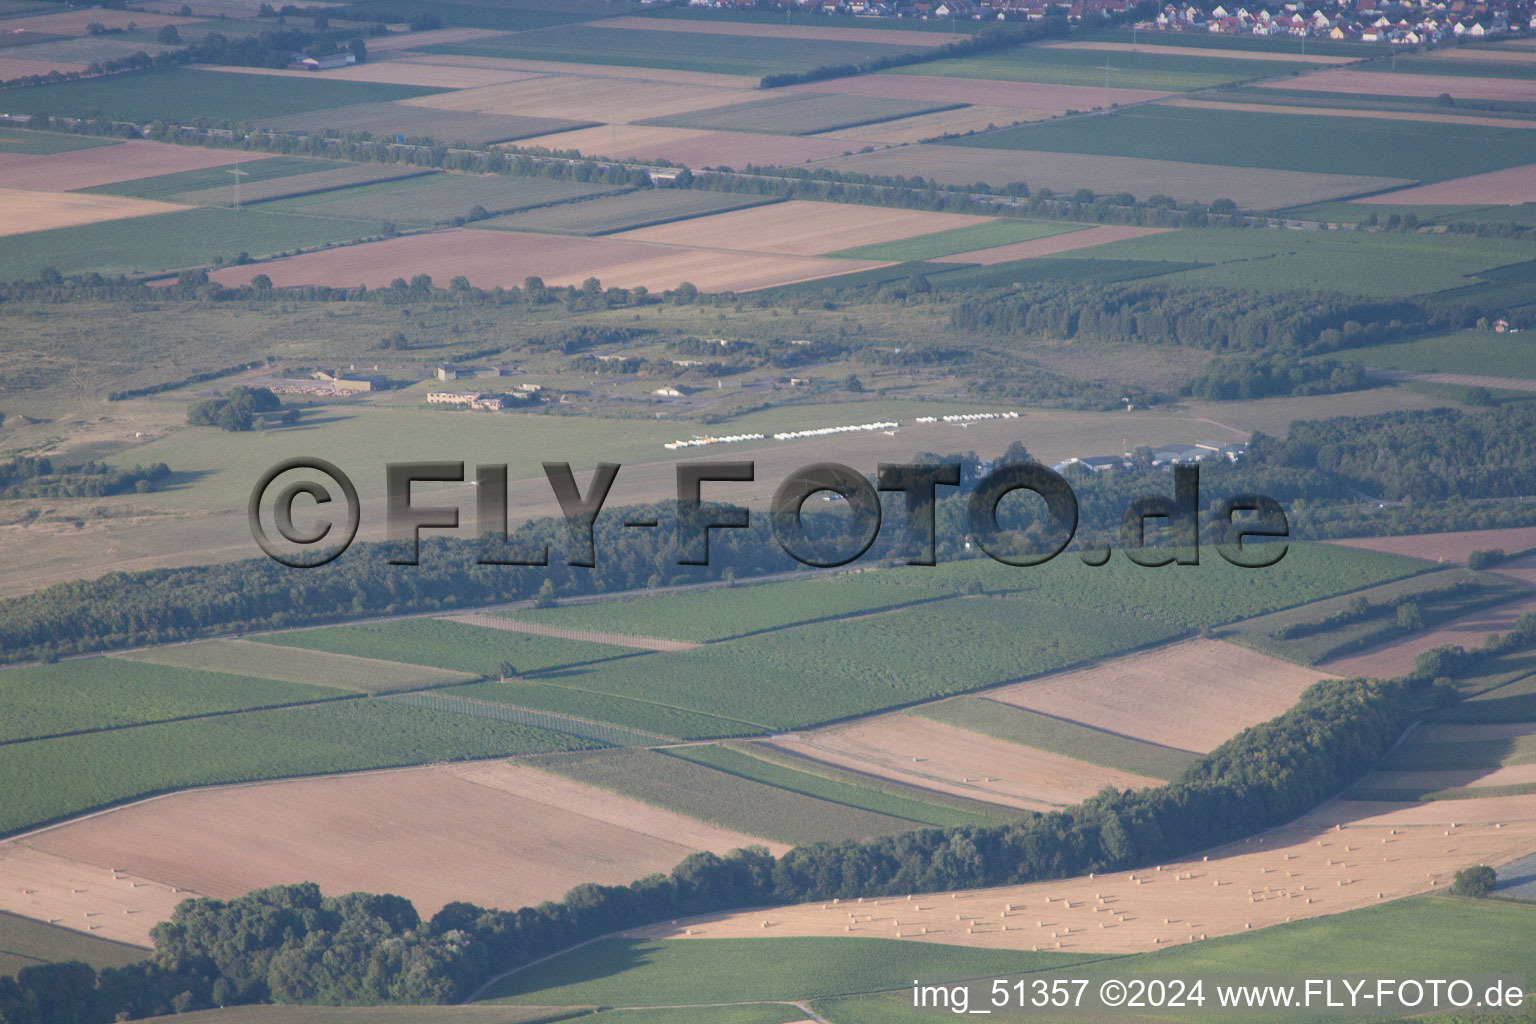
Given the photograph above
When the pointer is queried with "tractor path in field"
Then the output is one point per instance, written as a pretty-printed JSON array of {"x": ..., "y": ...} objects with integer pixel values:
[
  {"x": 1463, "y": 379},
  {"x": 645, "y": 643}
]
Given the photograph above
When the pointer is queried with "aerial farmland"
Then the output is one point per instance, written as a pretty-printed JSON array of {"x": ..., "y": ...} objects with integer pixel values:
[{"x": 675, "y": 512}]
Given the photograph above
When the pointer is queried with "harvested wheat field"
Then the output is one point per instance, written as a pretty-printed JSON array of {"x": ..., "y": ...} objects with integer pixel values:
[
  {"x": 895, "y": 36},
  {"x": 573, "y": 98},
  {"x": 1034, "y": 101},
  {"x": 1396, "y": 657},
  {"x": 296, "y": 665},
  {"x": 100, "y": 899},
  {"x": 801, "y": 228},
  {"x": 925, "y": 753},
  {"x": 1195, "y": 51},
  {"x": 22, "y": 210},
  {"x": 928, "y": 126},
  {"x": 77, "y": 22},
  {"x": 1388, "y": 83},
  {"x": 15, "y": 67},
  {"x": 1255, "y": 189},
  {"x": 1050, "y": 246},
  {"x": 104, "y": 165},
  {"x": 393, "y": 72},
  {"x": 1509, "y": 187},
  {"x": 494, "y": 833},
  {"x": 1379, "y": 115},
  {"x": 1192, "y": 695},
  {"x": 1447, "y": 547},
  {"x": 693, "y": 147},
  {"x": 489, "y": 258},
  {"x": 1342, "y": 856},
  {"x": 698, "y": 79}
]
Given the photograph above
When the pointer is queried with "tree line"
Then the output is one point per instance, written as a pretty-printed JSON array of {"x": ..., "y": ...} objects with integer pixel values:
[
  {"x": 989, "y": 39},
  {"x": 1436, "y": 455},
  {"x": 288, "y": 944},
  {"x": 1209, "y": 317},
  {"x": 40, "y": 477}
]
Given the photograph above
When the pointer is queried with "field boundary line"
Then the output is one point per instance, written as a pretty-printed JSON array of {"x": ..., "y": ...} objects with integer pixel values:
[
  {"x": 515, "y": 714},
  {"x": 1091, "y": 728},
  {"x": 877, "y": 783},
  {"x": 484, "y": 620},
  {"x": 349, "y": 695},
  {"x": 139, "y": 656},
  {"x": 763, "y": 729},
  {"x": 797, "y": 792}
]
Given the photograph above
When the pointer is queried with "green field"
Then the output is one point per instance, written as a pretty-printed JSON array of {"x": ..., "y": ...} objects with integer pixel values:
[
  {"x": 800, "y": 114},
  {"x": 868, "y": 981},
  {"x": 99, "y": 693},
  {"x": 169, "y": 241},
  {"x": 957, "y": 240},
  {"x": 1065, "y": 613},
  {"x": 189, "y": 96},
  {"x": 25, "y": 943},
  {"x": 1032, "y": 729},
  {"x": 1357, "y": 213},
  {"x": 681, "y": 51},
  {"x": 302, "y": 1013},
  {"x": 719, "y": 613},
  {"x": 660, "y": 973},
  {"x": 1175, "y": 41},
  {"x": 1424, "y": 937},
  {"x": 1524, "y": 71},
  {"x": 19, "y": 140},
  {"x": 607, "y": 214},
  {"x": 511, "y": 17},
  {"x": 387, "y": 120},
  {"x": 1517, "y": 111},
  {"x": 742, "y": 761},
  {"x": 645, "y": 715},
  {"x": 451, "y": 645},
  {"x": 1512, "y": 702},
  {"x": 300, "y": 185},
  {"x": 60, "y": 778},
  {"x": 976, "y": 810},
  {"x": 1473, "y": 352},
  {"x": 297, "y": 665},
  {"x": 801, "y": 19},
  {"x": 163, "y": 186},
  {"x": 1422, "y": 151},
  {"x": 1162, "y": 71},
  {"x": 729, "y": 801},
  {"x": 1209, "y": 594},
  {"x": 1337, "y": 640},
  {"x": 1348, "y": 261},
  {"x": 878, "y": 661},
  {"x": 1419, "y": 755},
  {"x": 441, "y": 197}
]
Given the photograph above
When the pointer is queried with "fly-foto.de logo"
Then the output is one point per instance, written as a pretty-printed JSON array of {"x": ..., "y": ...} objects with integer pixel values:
[{"x": 319, "y": 520}]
